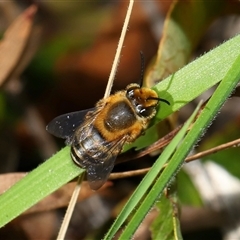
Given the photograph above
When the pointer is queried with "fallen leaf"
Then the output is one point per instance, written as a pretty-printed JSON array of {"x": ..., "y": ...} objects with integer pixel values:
[{"x": 14, "y": 42}]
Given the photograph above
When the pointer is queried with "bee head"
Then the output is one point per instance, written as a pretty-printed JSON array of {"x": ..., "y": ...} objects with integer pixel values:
[{"x": 144, "y": 100}]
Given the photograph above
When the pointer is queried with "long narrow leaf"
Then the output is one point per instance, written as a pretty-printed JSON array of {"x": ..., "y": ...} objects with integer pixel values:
[
  {"x": 207, "y": 115},
  {"x": 149, "y": 179},
  {"x": 37, "y": 184},
  {"x": 188, "y": 83}
]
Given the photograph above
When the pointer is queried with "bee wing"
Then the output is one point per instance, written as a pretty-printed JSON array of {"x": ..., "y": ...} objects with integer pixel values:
[
  {"x": 65, "y": 125},
  {"x": 97, "y": 174}
]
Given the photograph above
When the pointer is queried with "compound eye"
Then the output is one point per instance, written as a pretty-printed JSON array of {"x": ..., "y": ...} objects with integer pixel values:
[
  {"x": 130, "y": 92},
  {"x": 146, "y": 112}
]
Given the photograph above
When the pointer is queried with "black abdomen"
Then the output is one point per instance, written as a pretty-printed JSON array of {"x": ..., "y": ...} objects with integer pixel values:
[{"x": 89, "y": 147}]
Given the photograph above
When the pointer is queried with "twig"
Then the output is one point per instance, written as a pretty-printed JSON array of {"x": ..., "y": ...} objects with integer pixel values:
[
  {"x": 119, "y": 48},
  {"x": 235, "y": 143},
  {"x": 73, "y": 200},
  {"x": 71, "y": 206}
]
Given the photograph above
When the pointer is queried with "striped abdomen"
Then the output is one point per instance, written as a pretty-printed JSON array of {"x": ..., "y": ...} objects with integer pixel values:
[{"x": 90, "y": 148}]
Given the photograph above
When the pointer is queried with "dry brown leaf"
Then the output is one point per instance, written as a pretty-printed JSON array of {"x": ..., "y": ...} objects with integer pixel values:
[
  {"x": 36, "y": 226},
  {"x": 14, "y": 42},
  {"x": 62, "y": 196},
  {"x": 8, "y": 179}
]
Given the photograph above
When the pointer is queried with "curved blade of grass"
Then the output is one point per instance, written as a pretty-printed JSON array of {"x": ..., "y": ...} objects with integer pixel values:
[
  {"x": 190, "y": 82},
  {"x": 221, "y": 94},
  {"x": 196, "y": 77},
  {"x": 39, "y": 183},
  {"x": 149, "y": 178},
  {"x": 59, "y": 169}
]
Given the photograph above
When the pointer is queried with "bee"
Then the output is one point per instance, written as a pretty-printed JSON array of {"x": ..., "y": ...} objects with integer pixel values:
[{"x": 97, "y": 136}]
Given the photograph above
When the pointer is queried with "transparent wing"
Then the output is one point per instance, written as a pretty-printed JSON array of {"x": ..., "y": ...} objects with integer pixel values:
[
  {"x": 97, "y": 174},
  {"x": 65, "y": 125}
]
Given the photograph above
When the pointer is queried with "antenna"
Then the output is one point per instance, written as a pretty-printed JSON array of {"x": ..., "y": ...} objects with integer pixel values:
[{"x": 142, "y": 68}]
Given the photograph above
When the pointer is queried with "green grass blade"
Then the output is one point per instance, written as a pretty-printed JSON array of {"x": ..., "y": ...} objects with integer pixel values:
[
  {"x": 188, "y": 83},
  {"x": 207, "y": 115},
  {"x": 149, "y": 179},
  {"x": 197, "y": 77},
  {"x": 38, "y": 184}
]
